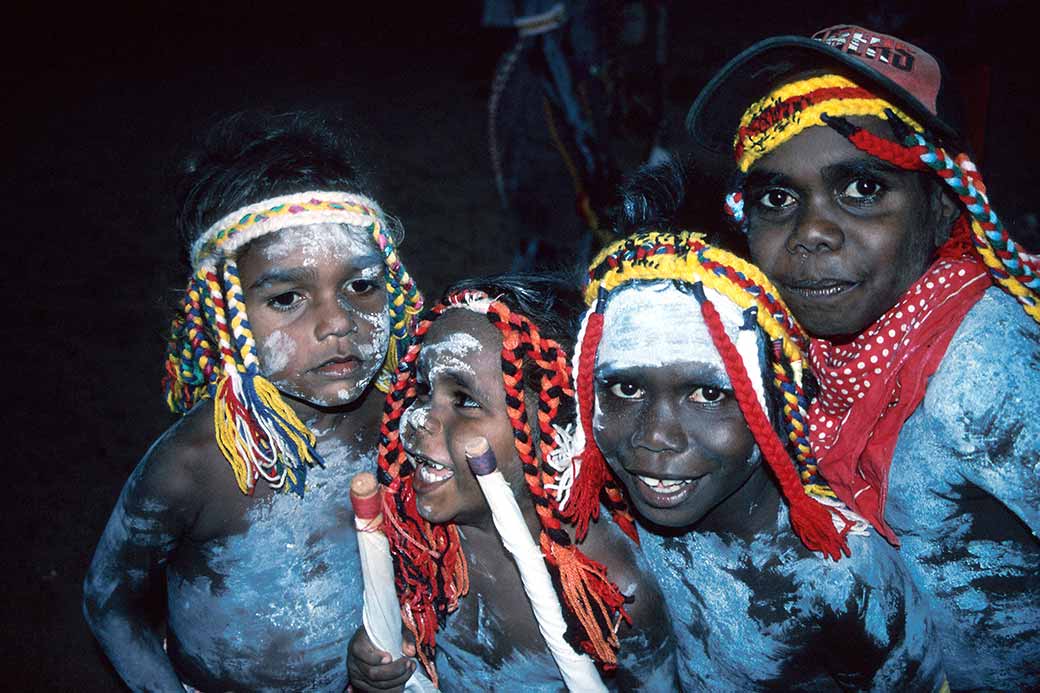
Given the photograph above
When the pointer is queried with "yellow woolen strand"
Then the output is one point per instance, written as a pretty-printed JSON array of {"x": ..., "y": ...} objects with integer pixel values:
[
  {"x": 1026, "y": 298},
  {"x": 296, "y": 430},
  {"x": 687, "y": 268},
  {"x": 233, "y": 448},
  {"x": 784, "y": 130}
]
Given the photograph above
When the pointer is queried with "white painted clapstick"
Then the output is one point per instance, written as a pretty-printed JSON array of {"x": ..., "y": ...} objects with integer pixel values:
[
  {"x": 381, "y": 612},
  {"x": 578, "y": 670}
]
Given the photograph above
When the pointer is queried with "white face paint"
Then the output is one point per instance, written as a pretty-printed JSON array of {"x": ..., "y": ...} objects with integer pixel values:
[
  {"x": 288, "y": 353},
  {"x": 275, "y": 352},
  {"x": 651, "y": 325},
  {"x": 320, "y": 241},
  {"x": 449, "y": 355}
]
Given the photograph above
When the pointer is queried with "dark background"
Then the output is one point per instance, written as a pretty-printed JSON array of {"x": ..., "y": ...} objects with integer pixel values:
[{"x": 102, "y": 100}]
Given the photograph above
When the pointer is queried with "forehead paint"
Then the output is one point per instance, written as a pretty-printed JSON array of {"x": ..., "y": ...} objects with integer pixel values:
[
  {"x": 650, "y": 325},
  {"x": 318, "y": 241},
  {"x": 653, "y": 325},
  {"x": 449, "y": 354},
  {"x": 275, "y": 352}
]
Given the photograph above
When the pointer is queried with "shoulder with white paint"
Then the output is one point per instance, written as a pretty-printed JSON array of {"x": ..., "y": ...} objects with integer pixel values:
[{"x": 985, "y": 389}]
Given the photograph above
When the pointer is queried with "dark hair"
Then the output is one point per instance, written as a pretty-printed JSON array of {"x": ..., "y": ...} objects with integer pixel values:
[
  {"x": 551, "y": 300},
  {"x": 657, "y": 198},
  {"x": 251, "y": 156}
]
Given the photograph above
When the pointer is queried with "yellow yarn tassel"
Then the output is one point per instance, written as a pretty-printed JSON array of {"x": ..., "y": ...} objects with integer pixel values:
[
  {"x": 225, "y": 425},
  {"x": 1009, "y": 284}
]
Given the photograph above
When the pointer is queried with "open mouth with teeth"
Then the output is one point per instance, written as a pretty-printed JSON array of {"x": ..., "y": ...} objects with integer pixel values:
[
  {"x": 823, "y": 289},
  {"x": 664, "y": 493},
  {"x": 429, "y": 475}
]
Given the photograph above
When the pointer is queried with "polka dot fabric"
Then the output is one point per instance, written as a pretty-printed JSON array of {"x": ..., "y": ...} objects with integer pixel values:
[{"x": 870, "y": 385}]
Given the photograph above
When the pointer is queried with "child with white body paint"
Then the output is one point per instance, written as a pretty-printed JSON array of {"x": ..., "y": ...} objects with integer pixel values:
[
  {"x": 291, "y": 324},
  {"x": 691, "y": 393},
  {"x": 490, "y": 363}
]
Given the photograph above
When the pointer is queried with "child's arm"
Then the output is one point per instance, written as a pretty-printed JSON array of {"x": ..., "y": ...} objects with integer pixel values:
[
  {"x": 646, "y": 658},
  {"x": 123, "y": 588},
  {"x": 983, "y": 407},
  {"x": 876, "y": 633}
]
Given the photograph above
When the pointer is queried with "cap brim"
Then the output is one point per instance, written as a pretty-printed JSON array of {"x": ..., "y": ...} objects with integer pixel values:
[{"x": 715, "y": 114}]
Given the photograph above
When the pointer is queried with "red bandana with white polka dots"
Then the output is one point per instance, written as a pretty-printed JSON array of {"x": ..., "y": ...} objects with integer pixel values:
[{"x": 871, "y": 385}]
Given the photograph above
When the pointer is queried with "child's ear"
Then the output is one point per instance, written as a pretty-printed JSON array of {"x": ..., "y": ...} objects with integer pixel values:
[{"x": 944, "y": 209}]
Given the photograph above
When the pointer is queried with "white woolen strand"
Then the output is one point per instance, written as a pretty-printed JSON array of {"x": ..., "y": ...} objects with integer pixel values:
[
  {"x": 578, "y": 670},
  {"x": 381, "y": 612},
  {"x": 283, "y": 221},
  {"x": 570, "y": 473}
]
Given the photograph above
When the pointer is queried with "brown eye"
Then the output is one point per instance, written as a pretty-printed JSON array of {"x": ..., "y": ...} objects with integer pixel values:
[
  {"x": 626, "y": 391},
  {"x": 776, "y": 198},
  {"x": 286, "y": 301},
  {"x": 861, "y": 188},
  {"x": 362, "y": 287},
  {"x": 708, "y": 395}
]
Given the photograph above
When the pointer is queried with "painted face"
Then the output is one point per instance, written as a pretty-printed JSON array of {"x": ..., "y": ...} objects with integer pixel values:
[
  {"x": 460, "y": 397},
  {"x": 317, "y": 305},
  {"x": 665, "y": 415},
  {"x": 841, "y": 233}
]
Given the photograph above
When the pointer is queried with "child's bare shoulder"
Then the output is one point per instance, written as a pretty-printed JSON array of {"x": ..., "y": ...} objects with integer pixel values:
[
  {"x": 187, "y": 450},
  {"x": 607, "y": 544},
  {"x": 186, "y": 473}
]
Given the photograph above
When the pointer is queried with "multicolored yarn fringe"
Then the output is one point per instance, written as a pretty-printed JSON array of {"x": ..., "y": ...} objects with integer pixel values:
[
  {"x": 430, "y": 566},
  {"x": 829, "y": 100},
  {"x": 684, "y": 257},
  {"x": 212, "y": 353}
]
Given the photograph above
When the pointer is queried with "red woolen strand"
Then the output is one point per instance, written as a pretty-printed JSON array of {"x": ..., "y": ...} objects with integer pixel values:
[
  {"x": 583, "y": 505},
  {"x": 811, "y": 520}
]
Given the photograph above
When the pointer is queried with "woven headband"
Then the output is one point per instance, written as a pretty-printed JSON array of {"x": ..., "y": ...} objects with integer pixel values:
[
  {"x": 244, "y": 225},
  {"x": 685, "y": 257},
  {"x": 788, "y": 110}
]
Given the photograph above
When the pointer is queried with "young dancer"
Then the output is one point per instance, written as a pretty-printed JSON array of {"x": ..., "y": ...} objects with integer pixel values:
[
  {"x": 691, "y": 389},
  {"x": 239, "y": 514},
  {"x": 860, "y": 205},
  {"x": 491, "y": 363}
]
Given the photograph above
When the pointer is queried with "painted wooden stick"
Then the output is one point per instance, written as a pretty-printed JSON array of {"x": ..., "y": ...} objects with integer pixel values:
[
  {"x": 381, "y": 612},
  {"x": 578, "y": 670}
]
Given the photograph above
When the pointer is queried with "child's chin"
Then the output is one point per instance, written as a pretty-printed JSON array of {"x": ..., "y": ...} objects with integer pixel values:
[
  {"x": 678, "y": 517},
  {"x": 434, "y": 513}
]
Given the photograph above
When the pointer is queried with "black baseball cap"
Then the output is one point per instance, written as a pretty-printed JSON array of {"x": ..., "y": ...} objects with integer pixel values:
[{"x": 896, "y": 70}]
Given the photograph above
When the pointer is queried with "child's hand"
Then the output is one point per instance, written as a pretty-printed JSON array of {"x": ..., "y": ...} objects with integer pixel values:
[{"x": 371, "y": 668}]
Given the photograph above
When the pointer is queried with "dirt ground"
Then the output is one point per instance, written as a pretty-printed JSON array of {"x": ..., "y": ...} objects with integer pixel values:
[{"x": 102, "y": 102}]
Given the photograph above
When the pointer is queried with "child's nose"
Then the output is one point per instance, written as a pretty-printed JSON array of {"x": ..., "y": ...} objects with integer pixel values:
[
  {"x": 334, "y": 320},
  {"x": 659, "y": 429},
  {"x": 421, "y": 421}
]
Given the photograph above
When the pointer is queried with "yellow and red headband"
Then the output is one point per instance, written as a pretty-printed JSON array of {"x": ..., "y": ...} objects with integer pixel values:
[{"x": 788, "y": 110}]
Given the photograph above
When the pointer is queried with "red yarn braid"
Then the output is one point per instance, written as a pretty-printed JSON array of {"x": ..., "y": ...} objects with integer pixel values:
[
  {"x": 430, "y": 570},
  {"x": 430, "y": 567},
  {"x": 590, "y": 597},
  {"x": 811, "y": 520}
]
